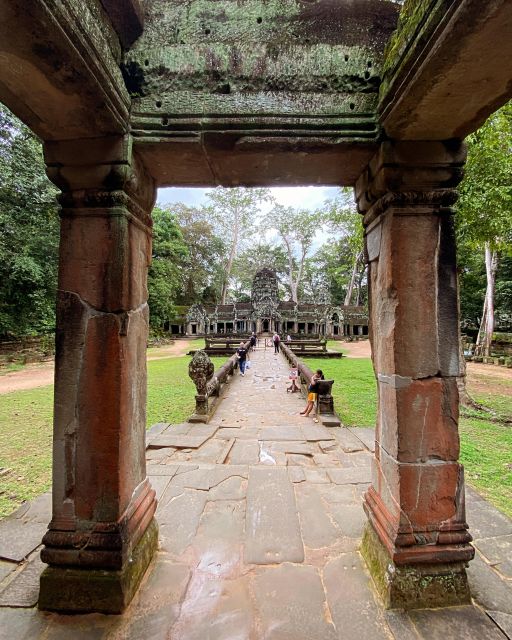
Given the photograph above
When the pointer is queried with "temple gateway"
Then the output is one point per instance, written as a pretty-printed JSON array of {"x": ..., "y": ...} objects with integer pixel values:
[{"x": 267, "y": 313}]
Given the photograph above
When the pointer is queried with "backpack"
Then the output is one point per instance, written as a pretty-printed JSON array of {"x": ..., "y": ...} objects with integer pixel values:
[{"x": 276, "y": 338}]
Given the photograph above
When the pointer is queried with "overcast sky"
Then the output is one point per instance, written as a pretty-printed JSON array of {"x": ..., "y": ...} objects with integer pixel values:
[{"x": 304, "y": 197}]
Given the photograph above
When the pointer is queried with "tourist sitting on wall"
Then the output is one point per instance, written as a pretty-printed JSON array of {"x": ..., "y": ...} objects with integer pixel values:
[
  {"x": 312, "y": 392},
  {"x": 288, "y": 338},
  {"x": 241, "y": 354}
]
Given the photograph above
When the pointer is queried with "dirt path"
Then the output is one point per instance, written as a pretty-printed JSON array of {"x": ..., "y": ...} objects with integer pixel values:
[
  {"x": 359, "y": 349},
  {"x": 41, "y": 375}
]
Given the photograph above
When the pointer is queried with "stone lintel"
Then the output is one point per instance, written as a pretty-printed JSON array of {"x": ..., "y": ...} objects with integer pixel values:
[
  {"x": 86, "y": 590},
  {"x": 443, "y": 71},
  {"x": 63, "y": 78},
  {"x": 413, "y": 586}
]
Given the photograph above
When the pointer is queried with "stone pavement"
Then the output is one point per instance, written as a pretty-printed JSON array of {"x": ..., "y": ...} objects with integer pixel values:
[{"x": 260, "y": 520}]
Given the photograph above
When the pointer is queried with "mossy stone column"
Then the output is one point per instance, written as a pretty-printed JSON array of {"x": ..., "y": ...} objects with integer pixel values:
[
  {"x": 102, "y": 533},
  {"x": 416, "y": 543}
]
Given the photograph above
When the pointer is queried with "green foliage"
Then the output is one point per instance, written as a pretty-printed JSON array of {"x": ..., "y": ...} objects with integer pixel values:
[
  {"x": 165, "y": 279},
  {"x": 202, "y": 270},
  {"x": 340, "y": 260},
  {"x": 483, "y": 210},
  {"x": 29, "y": 233},
  {"x": 248, "y": 262}
]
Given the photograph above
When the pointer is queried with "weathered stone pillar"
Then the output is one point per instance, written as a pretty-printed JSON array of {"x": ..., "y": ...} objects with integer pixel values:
[
  {"x": 416, "y": 543},
  {"x": 102, "y": 533}
]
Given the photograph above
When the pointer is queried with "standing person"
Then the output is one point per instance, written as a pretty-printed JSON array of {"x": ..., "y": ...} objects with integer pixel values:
[
  {"x": 276, "y": 340},
  {"x": 312, "y": 392},
  {"x": 241, "y": 354},
  {"x": 253, "y": 341}
]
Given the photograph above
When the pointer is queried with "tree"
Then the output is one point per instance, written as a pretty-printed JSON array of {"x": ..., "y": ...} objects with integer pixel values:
[
  {"x": 165, "y": 277},
  {"x": 483, "y": 212},
  {"x": 344, "y": 220},
  {"x": 202, "y": 269},
  {"x": 234, "y": 214},
  {"x": 29, "y": 235},
  {"x": 251, "y": 260},
  {"x": 296, "y": 229}
]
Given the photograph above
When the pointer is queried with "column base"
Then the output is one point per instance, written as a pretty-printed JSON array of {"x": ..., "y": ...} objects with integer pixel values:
[
  {"x": 413, "y": 586},
  {"x": 74, "y": 590}
]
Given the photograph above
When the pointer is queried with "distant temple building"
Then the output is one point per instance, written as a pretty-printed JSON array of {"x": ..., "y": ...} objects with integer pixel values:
[{"x": 267, "y": 313}]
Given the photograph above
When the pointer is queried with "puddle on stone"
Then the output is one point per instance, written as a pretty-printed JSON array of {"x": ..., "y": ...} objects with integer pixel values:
[{"x": 265, "y": 457}]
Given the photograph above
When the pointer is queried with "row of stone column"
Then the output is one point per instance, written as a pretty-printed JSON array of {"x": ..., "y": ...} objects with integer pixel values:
[{"x": 102, "y": 533}]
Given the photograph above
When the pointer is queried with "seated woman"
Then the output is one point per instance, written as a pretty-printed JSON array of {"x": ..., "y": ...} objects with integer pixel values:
[{"x": 312, "y": 392}]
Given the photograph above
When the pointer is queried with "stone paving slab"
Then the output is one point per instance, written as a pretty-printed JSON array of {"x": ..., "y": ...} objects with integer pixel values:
[
  {"x": 455, "y": 623},
  {"x": 354, "y": 610},
  {"x": 353, "y": 475},
  {"x": 272, "y": 524},
  {"x": 23, "y": 588},
  {"x": 487, "y": 588},
  {"x": 498, "y": 552},
  {"x": 18, "y": 538},
  {"x": 298, "y": 613},
  {"x": 366, "y": 435},
  {"x": 503, "y": 621},
  {"x": 485, "y": 521}
]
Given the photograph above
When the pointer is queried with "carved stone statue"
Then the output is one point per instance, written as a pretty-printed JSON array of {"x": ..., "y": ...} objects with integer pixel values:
[{"x": 200, "y": 370}]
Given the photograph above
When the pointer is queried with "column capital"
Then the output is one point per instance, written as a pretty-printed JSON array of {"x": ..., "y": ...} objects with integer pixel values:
[
  {"x": 415, "y": 176},
  {"x": 101, "y": 177}
]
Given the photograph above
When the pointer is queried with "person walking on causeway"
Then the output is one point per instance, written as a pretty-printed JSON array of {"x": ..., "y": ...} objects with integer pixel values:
[
  {"x": 312, "y": 392},
  {"x": 253, "y": 340},
  {"x": 241, "y": 354},
  {"x": 276, "y": 340}
]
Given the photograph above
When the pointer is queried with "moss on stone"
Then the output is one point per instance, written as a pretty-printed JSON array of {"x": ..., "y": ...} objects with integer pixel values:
[
  {"x": 413, "y": 586},
  {"x": 75, "y": 590}
]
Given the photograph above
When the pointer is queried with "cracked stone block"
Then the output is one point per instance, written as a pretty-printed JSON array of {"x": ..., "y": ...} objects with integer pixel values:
[{"x": 272, "y": 525}]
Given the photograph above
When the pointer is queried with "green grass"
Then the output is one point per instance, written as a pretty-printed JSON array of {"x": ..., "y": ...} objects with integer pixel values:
[
  {"x": 26, "y": 432},
  {"x": 26, "y": 427},
  {"x": 354, "y": 389},
  {"x": 10, "y": 367},
  {"x": 25, "y": 445},
  {"x": 335, "y": 345}
]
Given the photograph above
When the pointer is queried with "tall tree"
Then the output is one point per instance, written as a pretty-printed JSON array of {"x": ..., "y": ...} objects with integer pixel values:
[
  {"x": 165, "y": 277},
  {"x": 257, "y": 255},
  {"x": 296, "y": 229},
  {"x": 234, "y": 214},
  {"x": 202, "y": 271},
  {"x": 485, "y": 204},
  {"x": 29, "y": 234},
  {"x": 347, "y": 225}
]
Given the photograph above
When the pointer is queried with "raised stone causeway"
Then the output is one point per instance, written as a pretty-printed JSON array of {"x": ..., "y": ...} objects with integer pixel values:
[{"x": 252, "y": 505}]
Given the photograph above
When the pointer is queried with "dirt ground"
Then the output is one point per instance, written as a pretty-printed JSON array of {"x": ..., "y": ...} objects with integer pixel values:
[
  {"x": 41, "y": 374},
  {"x": 482, "y": 377}
]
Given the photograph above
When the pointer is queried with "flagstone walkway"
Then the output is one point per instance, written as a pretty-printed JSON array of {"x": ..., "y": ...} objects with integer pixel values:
[{"x": 260, "y": 520}]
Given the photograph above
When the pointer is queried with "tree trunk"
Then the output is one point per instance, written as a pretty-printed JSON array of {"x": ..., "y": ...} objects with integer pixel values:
[
  {"x": 229, "y": 265},
  {"x": 484, "y": 338},
  {"x": 350, "y": 289}
]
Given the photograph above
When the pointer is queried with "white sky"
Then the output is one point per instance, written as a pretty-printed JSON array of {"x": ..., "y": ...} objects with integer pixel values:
[{"x": 303, "y": 197}]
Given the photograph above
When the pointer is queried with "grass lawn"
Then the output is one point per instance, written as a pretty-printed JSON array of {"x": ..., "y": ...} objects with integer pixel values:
[{"x": 25, "y": 426}]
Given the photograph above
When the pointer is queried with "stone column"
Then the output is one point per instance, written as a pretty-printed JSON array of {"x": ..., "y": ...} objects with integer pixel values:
[
  {"x": 102, "y": 534},
  {"x": 416, "y": 543}
]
